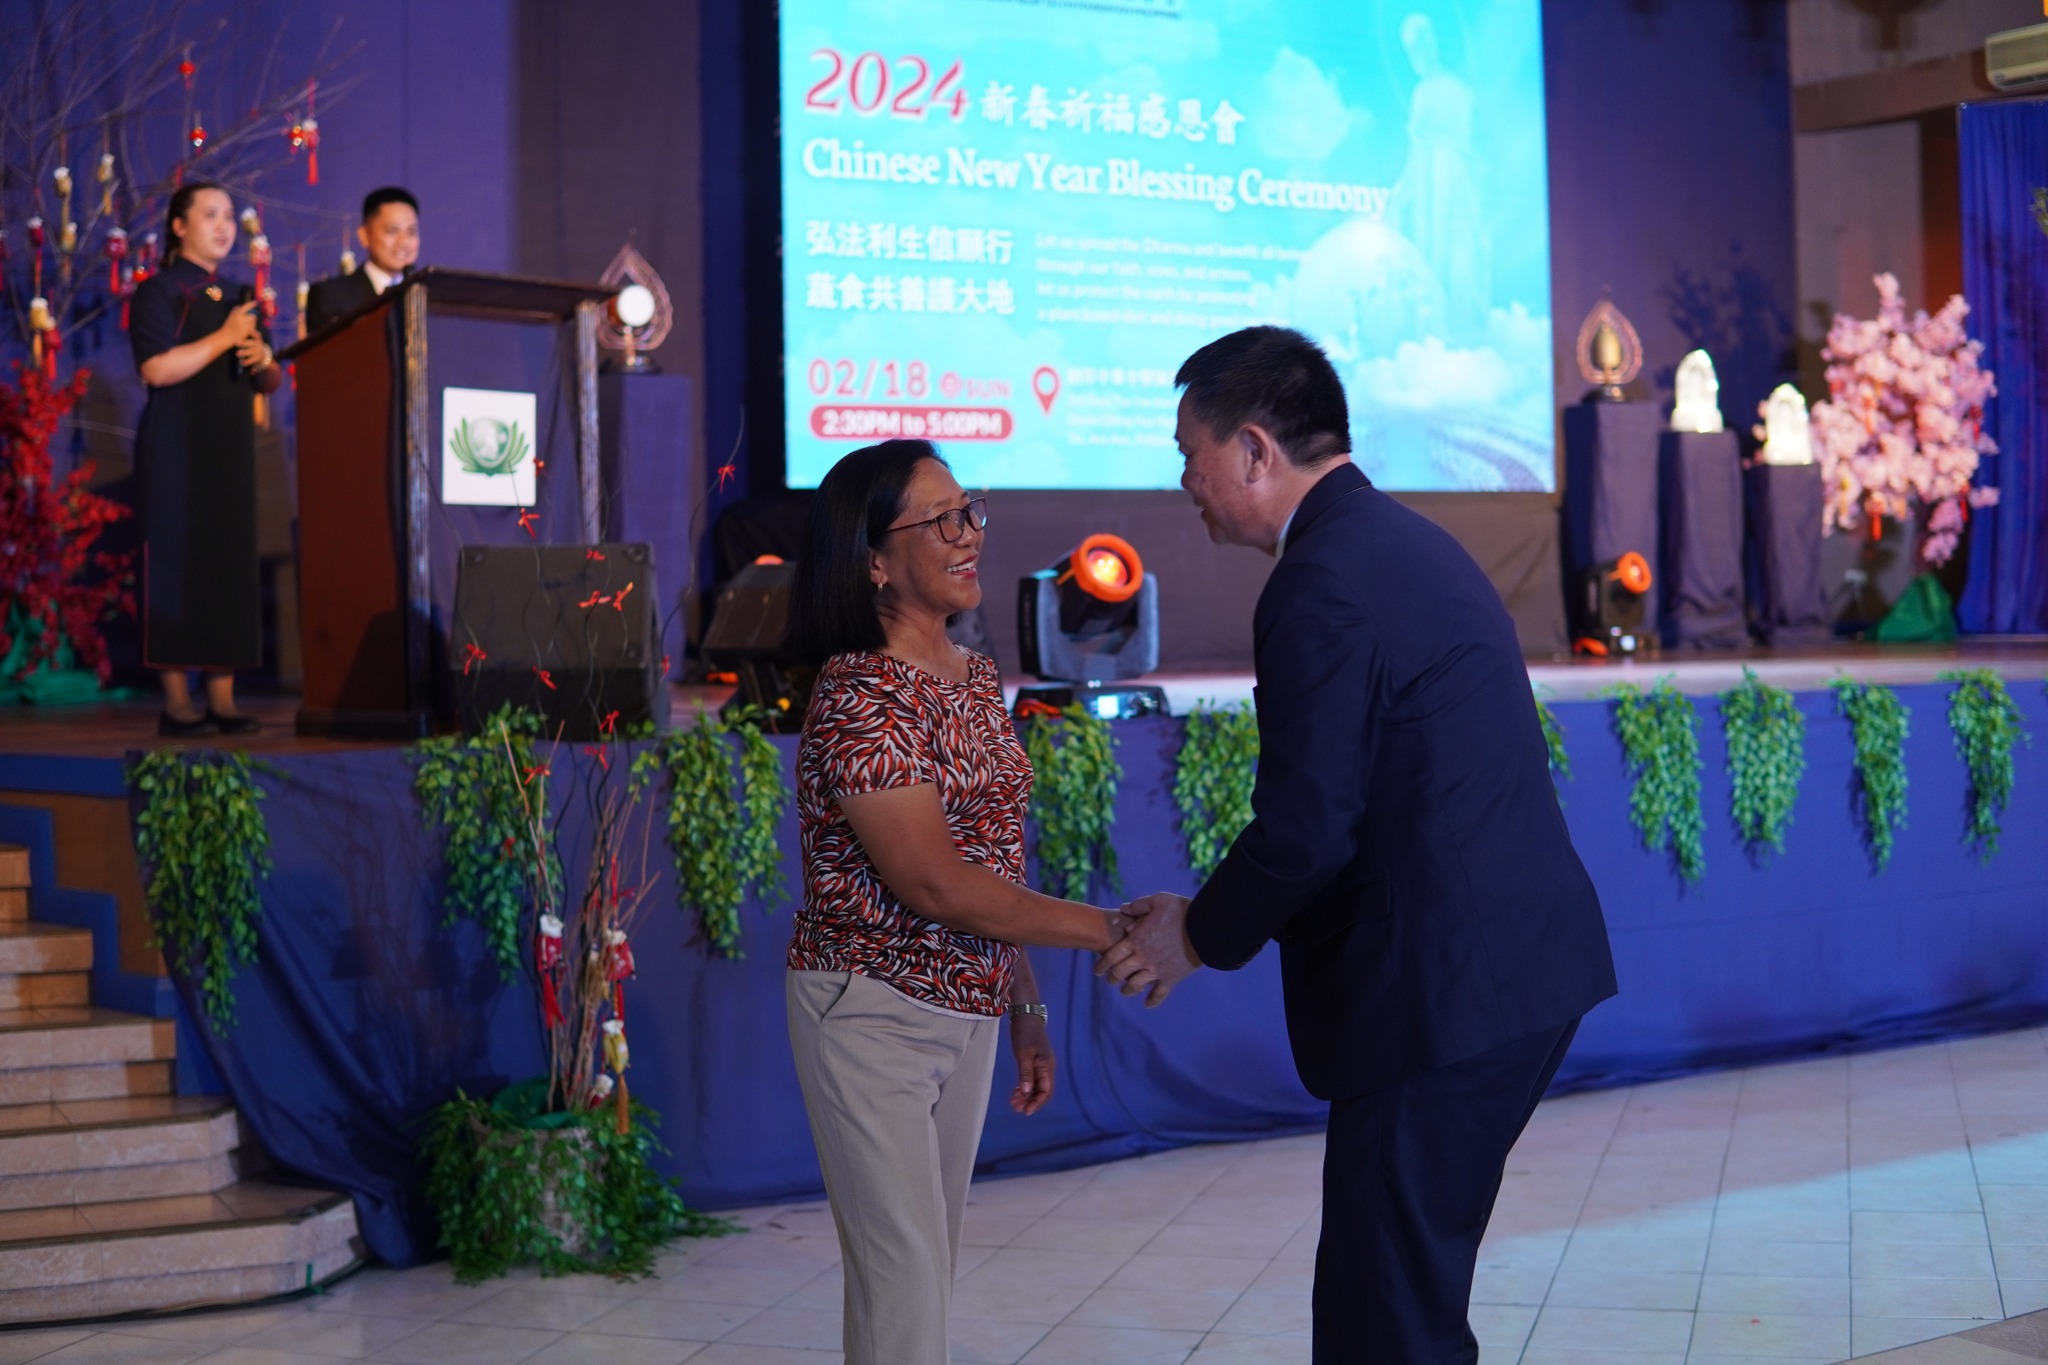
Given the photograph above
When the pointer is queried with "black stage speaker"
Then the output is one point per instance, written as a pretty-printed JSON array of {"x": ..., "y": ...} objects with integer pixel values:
[
  {"x": 570, "y": 631},
  {"x": 750, "y": 635}
]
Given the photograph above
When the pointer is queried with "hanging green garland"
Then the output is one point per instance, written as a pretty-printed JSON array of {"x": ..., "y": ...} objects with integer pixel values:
[
  {"x": 1073, "y": 799},
  {"x": 1986, "y": 721},
  {"x": 721, "y": 827},
  {"x": 1663, "y": 750},
  {"x": 1766, "y": 759},
  {"x": 1212, "y": 781},
  {"x": 1878, "y": 721},
  {"x": 1553, "y": 742},
  {"x": 507, "y": 1182},
  {"x": 203, "y": 841},
  {"x": 469, "y": 792}
]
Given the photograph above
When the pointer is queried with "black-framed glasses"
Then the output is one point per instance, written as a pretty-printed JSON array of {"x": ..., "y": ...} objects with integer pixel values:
[{"x": 951, "y": 525}]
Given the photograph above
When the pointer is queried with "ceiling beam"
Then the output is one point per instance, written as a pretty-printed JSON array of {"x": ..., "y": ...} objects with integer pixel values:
[{"x": 1892, "y": 96}]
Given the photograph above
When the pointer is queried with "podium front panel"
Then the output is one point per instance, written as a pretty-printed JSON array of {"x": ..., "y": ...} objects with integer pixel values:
[{"x": 351, "y": 499}]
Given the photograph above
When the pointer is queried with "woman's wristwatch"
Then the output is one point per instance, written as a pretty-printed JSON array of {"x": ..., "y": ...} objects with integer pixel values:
[{"x": 1037, "y": 1009}]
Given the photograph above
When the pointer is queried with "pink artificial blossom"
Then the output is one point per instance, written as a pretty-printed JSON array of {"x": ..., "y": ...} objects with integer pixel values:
[{"x": 1903, "y": 421}]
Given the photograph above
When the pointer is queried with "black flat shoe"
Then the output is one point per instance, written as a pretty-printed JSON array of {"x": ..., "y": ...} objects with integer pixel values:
[
  {"x": 170, "y": 727},
  {"x": 239, "y": 723}
]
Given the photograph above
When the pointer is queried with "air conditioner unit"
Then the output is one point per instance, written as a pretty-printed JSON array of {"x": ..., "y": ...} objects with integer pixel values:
[{"x": 2017, "y": 59}]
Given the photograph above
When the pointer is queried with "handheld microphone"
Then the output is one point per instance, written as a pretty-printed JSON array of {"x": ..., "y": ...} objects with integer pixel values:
[{"x": 242, "y": 294}]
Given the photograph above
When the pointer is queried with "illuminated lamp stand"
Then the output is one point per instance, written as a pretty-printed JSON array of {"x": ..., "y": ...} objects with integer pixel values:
[{"x": 1087, "y": 624}]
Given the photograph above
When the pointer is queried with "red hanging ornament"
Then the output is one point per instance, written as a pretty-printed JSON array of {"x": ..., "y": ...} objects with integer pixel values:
[
  {"x": 116, "y": 248},
  {"x": 547, "y": 945},
  {"x": 309, "y": 133},
  {"x": 259, "y": 261},
  {"x": 198, "y": 137},
  {"x": 547, "y": 959},
  {"x": 186, "y": 70},
  {"x": 618, "y": 956},
  {"x": 36, "y": 235}
]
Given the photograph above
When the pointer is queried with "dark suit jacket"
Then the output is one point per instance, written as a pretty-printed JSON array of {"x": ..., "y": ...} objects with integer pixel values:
[
  {"x": 1406, "y": 846},
  {"x": 337, "y": 297}
]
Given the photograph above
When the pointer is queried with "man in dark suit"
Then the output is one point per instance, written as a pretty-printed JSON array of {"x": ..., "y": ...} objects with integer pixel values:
[
  {"x": 390, "y": 234},
  {"x": 1439, "y": 938}
]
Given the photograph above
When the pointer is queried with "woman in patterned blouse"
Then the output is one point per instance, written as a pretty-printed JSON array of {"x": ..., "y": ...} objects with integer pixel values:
[{"x": 911, "y": 789}]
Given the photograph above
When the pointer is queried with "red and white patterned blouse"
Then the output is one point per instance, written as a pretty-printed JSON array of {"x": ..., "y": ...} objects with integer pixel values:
[{"x": 875, "y": 723}]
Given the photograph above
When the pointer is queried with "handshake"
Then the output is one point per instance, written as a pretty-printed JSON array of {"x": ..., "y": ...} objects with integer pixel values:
[{"x": 1149, "y": 950}]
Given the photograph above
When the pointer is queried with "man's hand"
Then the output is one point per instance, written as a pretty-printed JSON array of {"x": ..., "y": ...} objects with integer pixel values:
[{"x": 1154, "y": 955}]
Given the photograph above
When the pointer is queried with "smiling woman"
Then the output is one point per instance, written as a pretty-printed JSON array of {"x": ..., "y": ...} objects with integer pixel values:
[
  {"x": 911, "y": 791},
  {"x": 200, "y": 349}
]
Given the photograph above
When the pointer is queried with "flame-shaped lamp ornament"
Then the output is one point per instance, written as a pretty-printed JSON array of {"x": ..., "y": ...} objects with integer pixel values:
[
  {"x": 1610, "y": 353},
  {"x": 639, "y": 316}
]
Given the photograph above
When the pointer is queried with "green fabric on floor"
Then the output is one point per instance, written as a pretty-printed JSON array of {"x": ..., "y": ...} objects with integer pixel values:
[
  {"x": 54, "y": 682},
  {"x": 1922, "y": 615}
]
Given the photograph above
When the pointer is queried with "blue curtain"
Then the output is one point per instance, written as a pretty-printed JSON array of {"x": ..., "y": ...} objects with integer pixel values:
[{"x": 2005, "y": 278}]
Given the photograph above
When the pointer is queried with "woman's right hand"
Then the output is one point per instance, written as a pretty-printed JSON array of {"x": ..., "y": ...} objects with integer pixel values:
[{"x": 240, "y": 326}]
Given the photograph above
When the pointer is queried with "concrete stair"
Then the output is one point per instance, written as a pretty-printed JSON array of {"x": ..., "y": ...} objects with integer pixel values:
[{"x": 116, "y": 1195}]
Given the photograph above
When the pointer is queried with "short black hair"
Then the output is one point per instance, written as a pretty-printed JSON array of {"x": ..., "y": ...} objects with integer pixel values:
[
  {"x": 1277, "y": 378},
  {"x": 857, "y": 501},
  {"x": 389, "y": 194}
]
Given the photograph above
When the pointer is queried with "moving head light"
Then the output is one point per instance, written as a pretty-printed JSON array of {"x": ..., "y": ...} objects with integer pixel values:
[{"x": 1087, "y": 622}]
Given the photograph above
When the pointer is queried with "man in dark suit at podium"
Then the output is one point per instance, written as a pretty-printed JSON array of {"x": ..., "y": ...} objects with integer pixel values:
[
  {"x": 1439, "y": 938},
  {"x": 390, "y": 234}
]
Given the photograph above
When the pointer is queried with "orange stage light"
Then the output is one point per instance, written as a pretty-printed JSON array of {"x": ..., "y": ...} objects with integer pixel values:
[
  {"x": 1632, "y": 571},
  {"x": 1106, "y": 568}
]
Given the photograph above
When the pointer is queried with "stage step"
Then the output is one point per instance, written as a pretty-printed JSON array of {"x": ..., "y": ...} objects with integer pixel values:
[
  {"x": 248, "y": 1240},
  {"x": 100, "y": 1151},
  {"x": 56, "y": 1053},
  {"x": 26, "y": 946},
  {"x": 38, "y": 990},
  {"x": 117, "y": 1196}
]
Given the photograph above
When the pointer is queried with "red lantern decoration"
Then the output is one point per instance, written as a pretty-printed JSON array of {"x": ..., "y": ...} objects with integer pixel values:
[{"x": 116, "y": 248}]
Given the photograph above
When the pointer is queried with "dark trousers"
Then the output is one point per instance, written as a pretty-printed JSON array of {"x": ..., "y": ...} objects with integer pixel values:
[{"x": 1409, "y": 1179}]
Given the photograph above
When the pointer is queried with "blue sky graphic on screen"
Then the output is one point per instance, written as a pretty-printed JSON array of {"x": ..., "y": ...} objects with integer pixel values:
[{"x": 1007, "y": 222}]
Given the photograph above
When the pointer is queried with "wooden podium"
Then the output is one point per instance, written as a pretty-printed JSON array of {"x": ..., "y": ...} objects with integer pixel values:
[{"x": 377, "y": 546}]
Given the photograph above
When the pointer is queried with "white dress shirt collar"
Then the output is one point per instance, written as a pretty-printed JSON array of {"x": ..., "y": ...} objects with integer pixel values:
[{"x": 378, "y": 277}]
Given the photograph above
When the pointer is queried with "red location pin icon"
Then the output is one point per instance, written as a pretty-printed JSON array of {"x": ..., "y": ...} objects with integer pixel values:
[{"x": 1045, "y": 382}]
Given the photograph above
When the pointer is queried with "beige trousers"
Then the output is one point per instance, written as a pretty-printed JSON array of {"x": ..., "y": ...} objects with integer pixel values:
[{"x": 896, "y": 1095}]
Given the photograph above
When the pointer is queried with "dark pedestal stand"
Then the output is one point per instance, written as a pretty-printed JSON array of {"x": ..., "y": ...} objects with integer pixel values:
[
  {"x": 1789, "y": 600},
  {"x": 1610, "y": 487},
  {"x": 1700, "y": 477}
]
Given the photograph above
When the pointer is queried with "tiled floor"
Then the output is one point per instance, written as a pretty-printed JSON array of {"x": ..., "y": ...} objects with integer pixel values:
[{"x": 1798, "y": 1213}]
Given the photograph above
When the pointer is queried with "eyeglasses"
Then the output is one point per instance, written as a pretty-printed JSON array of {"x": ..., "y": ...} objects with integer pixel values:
[{"x": 951, "y": 525}]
